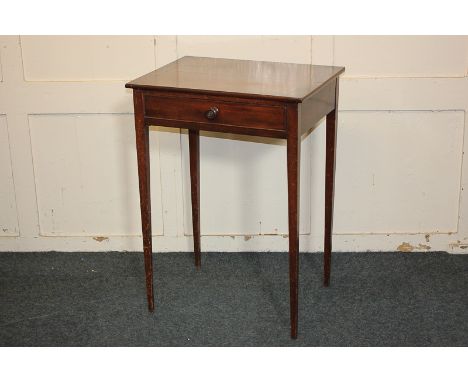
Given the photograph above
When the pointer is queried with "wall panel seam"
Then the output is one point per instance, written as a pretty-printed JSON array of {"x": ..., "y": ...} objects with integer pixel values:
[
  {"x": 22, "y": 59},
  {"x": 39, "y": 228},
  {"x": 461, "y": 171},
  {"x": 18, "y": 233}
]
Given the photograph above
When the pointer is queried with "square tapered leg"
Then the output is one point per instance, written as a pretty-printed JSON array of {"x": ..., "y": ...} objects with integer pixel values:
[
  {"x": 142, "y": 146},
  {"x": 194, "y": 148}
]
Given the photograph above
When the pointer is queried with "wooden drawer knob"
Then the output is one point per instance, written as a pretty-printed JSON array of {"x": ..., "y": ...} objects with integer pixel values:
[{"x": 211, "y": 113}]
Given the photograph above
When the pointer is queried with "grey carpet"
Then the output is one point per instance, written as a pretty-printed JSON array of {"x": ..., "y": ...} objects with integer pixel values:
[{"x": 237, "y": 299}]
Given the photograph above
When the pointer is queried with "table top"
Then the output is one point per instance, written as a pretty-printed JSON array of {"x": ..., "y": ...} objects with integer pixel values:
[{"x": 254, "y": 79}]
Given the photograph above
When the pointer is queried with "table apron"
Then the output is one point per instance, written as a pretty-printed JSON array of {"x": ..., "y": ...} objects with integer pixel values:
[{"x": 215, "y": 127}]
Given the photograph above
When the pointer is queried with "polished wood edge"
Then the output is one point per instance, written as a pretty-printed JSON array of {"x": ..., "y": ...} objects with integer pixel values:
[
  {"x": 214, "y": 92},
  {"x": 212, "y": 97}
]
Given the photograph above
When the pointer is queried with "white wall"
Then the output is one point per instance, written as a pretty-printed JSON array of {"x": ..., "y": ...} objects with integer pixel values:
[{"x": 68, "y": 167}]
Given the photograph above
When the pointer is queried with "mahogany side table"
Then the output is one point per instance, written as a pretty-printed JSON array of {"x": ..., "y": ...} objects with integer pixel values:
[{"x": 243, "y": 97}]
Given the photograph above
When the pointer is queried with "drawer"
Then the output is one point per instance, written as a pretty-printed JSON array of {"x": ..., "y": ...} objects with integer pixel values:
[{"x": 217, "y": 112}]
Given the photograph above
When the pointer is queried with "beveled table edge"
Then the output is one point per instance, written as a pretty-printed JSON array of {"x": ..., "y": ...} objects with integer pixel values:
[{"x": 131, "y": 85}]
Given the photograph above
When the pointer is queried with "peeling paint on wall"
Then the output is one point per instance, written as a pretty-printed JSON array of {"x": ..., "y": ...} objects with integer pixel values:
[
  {"x": 100, "y": 238},
  {"x": 407, "y": 247},
  {"x": 458, "y": 245}
]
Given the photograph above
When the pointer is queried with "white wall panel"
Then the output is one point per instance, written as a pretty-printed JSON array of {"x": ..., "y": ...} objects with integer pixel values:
[
  {"x": 84, "y": 58},
  {"x": 243, "y": 187},
  {"x": 398, "y": 172},
  {"x": 402, "y": 56},
  {"x": 8, "y": 216},
  {"x": 295, "y": 49},
  {"x": 403, "y": 93},
  {"x": 86, "y": 175}
]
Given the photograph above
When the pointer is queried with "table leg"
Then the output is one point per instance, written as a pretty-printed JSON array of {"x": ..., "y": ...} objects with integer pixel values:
[
  {"x": 194, "y": 149},
  {"x": 329, "y": 185},
  {"x": 293, "y": 159},
  {"x": 142, "y": 145}
]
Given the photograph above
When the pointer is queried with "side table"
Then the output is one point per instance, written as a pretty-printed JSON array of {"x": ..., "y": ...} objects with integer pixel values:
[{"x": 257, "y": 98}]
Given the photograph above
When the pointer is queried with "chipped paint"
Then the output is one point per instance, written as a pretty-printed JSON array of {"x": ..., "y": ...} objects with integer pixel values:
[
  {"x": 427, "y": 236},
  {"x": 247, "y": 237},
  {"x": 422, "y": 246},
  {"x": 407, "y": 247},
  {"x": 100, "y": 238},
  {"x": 285, "y": 236},
  {"x": 458, "y": 245}
]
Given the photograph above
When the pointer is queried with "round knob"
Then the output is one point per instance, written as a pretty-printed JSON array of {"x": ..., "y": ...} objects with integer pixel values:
[{"x": 211, "y": 113}]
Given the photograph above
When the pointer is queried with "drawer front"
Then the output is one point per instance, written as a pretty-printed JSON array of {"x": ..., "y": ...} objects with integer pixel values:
[{"x": 232, "y": 114}]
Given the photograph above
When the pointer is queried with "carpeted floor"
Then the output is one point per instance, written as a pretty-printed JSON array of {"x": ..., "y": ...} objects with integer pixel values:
[{"x": 237, "y": 299}]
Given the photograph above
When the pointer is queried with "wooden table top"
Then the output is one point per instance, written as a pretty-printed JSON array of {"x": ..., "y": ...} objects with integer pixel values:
[{"x": 241, "y": 78}]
